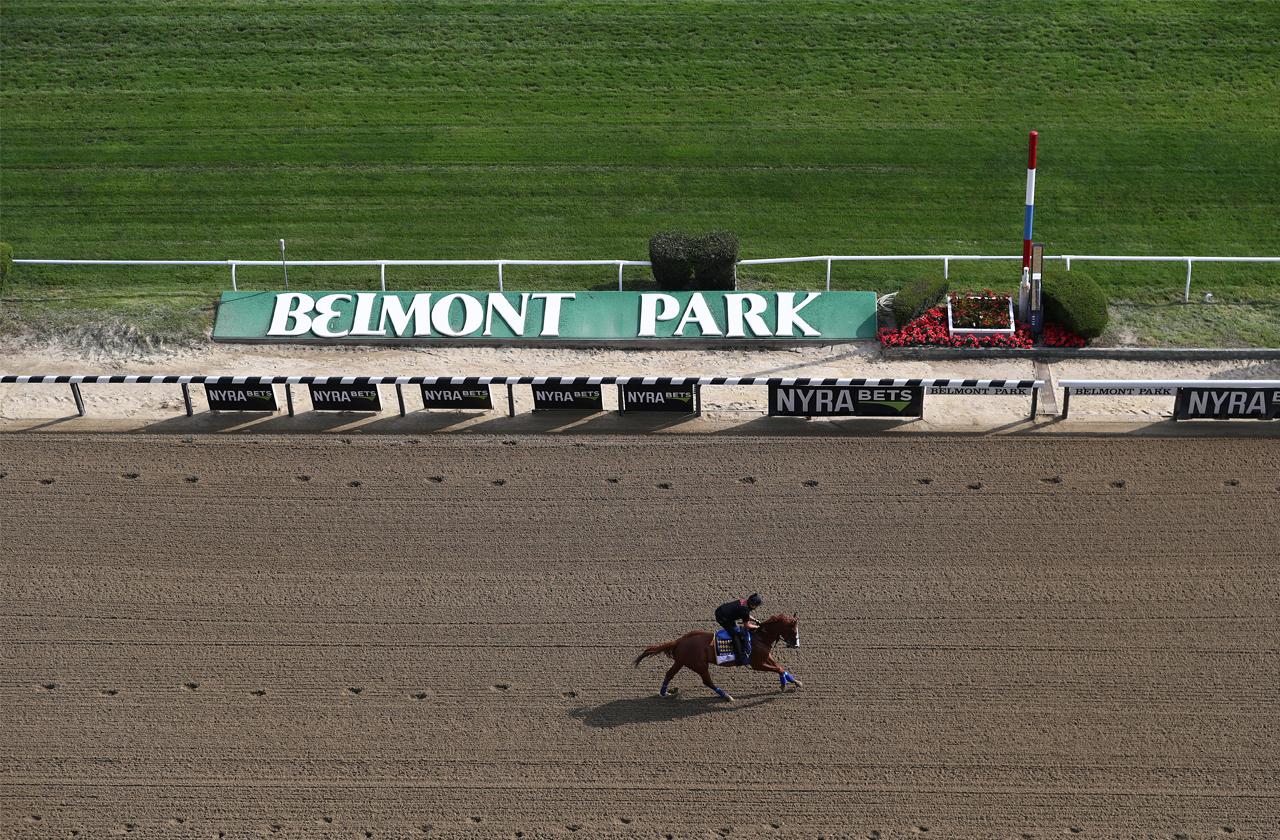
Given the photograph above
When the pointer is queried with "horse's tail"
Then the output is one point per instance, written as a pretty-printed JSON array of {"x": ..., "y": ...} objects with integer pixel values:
[{"x": 653, "y": 650}]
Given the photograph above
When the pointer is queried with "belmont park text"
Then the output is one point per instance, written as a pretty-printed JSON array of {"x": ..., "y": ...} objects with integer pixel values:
[{"x": 372, "y": 316}]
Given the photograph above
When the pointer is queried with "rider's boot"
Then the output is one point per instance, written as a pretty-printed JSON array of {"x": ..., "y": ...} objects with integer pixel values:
[{"x": 739, "y": 653}]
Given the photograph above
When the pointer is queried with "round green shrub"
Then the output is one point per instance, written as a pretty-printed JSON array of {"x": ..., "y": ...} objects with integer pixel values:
[
  {"x": 917, "y": 296},
  {"x": 1076, "y": 302},
  {"x": 715, "y": 260},
  {"x": 671, "y": 255}
]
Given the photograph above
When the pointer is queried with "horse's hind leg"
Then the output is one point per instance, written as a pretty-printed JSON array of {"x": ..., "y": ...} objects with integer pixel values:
[
  {"x": 671, "y": 672},
  {"x": 705, "y": 673}
]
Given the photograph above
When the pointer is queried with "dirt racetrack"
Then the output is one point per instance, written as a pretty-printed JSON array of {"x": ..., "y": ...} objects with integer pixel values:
[{"x": 258, "y": 636}]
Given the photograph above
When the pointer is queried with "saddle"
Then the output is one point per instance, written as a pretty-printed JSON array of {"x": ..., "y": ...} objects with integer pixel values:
[{"x": 723, "y": 645}]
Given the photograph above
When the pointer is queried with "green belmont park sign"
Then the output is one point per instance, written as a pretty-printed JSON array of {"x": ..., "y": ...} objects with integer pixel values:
[{"x": 371, "y": 317}]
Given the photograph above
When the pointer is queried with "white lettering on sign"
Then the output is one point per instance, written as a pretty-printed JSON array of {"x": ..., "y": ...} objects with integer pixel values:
[
  {"x": 454, "y": 394},
  {"x": 345, "y": 396},
  {"x": 1236, "y": 402},
  {"x": 565, "y": 396},
  {"x": 325, "y": 313},
  {"x": 457, "y": 315},
  {"x": 551, "y": 311},
  {"x": 239, "y": 396},
  {"x": 650, "y": 314},
  {"x": 362, "y": 323},
  {"x": 291, "y": 306},
  {"x": 441, "y": 317},
  {"x": 789, "y": 314},
  {"x": 514, "y": 318},
  {"x": 745, "y": 310},
  {"x": 815, "y": 400},
  {"x": 419, "y": 312},
  {"x": 884, "y": 394},
  {"x": 658, "y": 397},
  {"x": 297, "y": 313},
  {"x": 700, "y": 313}
]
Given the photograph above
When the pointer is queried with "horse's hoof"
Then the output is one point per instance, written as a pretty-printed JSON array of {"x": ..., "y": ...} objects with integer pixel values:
[
  {"x": 798, "y": 683},
  {"x": 728, "y": 698}
]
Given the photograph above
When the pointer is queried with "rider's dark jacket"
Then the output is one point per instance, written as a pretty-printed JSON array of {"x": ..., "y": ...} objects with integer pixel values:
[{"x": 730, "y": 612}]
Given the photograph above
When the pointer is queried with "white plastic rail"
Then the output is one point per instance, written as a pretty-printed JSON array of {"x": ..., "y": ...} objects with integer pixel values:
[{"x": 829, "y": 260}]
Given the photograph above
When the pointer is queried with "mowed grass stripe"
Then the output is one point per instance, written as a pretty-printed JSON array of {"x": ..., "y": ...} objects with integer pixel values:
[{"x": 208, "y": 130}]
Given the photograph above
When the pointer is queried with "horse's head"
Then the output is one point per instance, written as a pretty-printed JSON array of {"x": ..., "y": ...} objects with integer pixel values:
[{"x": 784, "y": 627}]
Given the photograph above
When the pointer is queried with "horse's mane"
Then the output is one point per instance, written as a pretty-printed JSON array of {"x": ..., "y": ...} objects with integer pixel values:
[{"x": 780, "y": 617}]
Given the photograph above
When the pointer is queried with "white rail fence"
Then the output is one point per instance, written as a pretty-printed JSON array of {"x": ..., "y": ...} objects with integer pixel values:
[{"x": 829, "y": 260}]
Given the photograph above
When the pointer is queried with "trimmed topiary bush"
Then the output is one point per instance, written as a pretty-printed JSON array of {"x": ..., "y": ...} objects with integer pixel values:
[
  {"x": 682, "y": 262},
  {"x": 917, "y": 296},
  {"x": 1077, "y": 303},
  {"x": 6, "y": 265},
  {"x": 715, "y": 258},
  {"x": 671, "y": 254}
]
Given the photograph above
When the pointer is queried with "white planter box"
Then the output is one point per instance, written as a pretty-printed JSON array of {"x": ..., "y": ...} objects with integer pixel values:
[{"x": 954, "y": 330}]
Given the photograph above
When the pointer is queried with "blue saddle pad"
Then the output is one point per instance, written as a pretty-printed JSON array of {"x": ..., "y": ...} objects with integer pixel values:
[{"x": 724, "y": 645}]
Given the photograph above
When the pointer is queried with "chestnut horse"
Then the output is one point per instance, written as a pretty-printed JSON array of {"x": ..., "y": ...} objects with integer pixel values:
[{"x": 696, "y": 651}]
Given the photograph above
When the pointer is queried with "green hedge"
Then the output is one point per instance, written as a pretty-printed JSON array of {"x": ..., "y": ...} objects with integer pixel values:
[
  {"x": 917, "y": 296},
  {"x": 6, "y": 265},
  {"x": 682, "y": 262},
  {"x": 1077, "y": 303},
  {"x": 671, "y": 254}
]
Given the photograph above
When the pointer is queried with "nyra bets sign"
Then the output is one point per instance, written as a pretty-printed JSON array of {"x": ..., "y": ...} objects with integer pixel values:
[{"x": 371, "y": 317}]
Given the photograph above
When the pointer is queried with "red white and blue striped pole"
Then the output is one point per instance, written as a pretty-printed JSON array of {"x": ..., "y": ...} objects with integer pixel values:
[{"x": 1031, "y": 203}]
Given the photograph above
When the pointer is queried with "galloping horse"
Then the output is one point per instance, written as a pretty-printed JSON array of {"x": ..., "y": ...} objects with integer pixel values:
[{"x": 696, "y": 651}]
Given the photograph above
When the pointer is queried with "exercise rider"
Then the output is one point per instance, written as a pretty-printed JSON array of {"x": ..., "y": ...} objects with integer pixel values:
[{"x": 729, "y": 614}]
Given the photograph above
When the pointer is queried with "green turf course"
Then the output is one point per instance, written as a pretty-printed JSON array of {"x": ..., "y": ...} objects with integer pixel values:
[{"x": 576, "y": 129}]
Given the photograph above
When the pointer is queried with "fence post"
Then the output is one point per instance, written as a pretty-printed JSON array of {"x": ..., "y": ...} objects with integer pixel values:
[
  {"x": 382, "y": 275},
  {"x": 946, "y": 268},
  {"x": 75, "y": 392},
  {"x": 234, "y": 287},
  {"x": 1186, "y": 295},
  {"x": 828, "y": 274},
  {"x": 500, "y": 277},
  {"x": 1068, "y": 263},
  {"x": 186, "y": 398},
  {"x": 619, "y": 275}
]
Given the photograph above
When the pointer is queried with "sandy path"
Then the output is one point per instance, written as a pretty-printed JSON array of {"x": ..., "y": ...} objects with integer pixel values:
[
  {"x": 260, "y": 655},
  {"x": 846, "y": 360}
]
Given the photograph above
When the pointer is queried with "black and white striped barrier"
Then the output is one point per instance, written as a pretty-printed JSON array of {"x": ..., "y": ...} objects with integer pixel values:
[
  {"x": 1194, "y": 399},
  {"x": 940, "y": 386}
]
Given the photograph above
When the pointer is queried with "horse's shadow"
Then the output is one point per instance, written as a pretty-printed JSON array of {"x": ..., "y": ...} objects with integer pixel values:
[{"x": 655, "y": 709}]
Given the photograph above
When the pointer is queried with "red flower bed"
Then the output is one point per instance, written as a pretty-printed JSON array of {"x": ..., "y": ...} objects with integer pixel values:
[{"x": 930, "y": 330}]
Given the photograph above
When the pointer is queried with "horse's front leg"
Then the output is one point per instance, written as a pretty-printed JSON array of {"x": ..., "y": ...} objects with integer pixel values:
[{"x": 784, "y": 676}]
